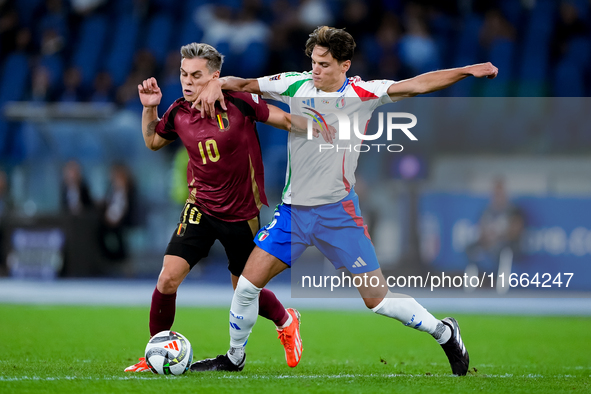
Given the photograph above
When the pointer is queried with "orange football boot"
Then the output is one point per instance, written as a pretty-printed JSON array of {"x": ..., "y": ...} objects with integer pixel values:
[{"x": 291, "y": 339}]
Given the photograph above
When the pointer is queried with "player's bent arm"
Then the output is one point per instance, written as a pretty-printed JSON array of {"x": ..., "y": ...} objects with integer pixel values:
[
  {"x": 213, "y": 92},
  {"x": 240, "y": 85},
  {"x": 278, "y": 118},
  {"x": 437, "y": 80},
  {"x": 149, "y": 121}
]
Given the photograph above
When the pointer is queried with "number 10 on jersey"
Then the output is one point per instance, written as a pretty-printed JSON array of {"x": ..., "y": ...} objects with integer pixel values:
[{"x": 212, "y": 151}]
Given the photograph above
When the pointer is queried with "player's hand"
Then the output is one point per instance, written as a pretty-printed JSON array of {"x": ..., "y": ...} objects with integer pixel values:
[
  {"x": 150, "y": 94},
  {"x": 328, "y": 133},
  {"x": 211, "y": 93},
  {"x": 484, "y": 70}
]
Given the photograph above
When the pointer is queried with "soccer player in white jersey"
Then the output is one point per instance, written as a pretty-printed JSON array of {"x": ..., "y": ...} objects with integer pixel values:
[{"x": 320, "y": 207}]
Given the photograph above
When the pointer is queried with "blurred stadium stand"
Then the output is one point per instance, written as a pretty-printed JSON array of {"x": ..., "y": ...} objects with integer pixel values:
[{"x": 542, "y": 49}]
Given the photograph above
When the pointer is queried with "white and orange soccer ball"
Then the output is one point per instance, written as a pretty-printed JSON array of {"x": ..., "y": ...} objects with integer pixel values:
[{"x": 169, "y": 353}]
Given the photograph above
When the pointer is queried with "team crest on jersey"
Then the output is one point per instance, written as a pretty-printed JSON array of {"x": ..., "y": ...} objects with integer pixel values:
[
  {"x": 340, "y": 104},
  {"x": 223, "y": 122},
  {"x": 263, "y": 235},
  {"x": 180, "y": 231}
]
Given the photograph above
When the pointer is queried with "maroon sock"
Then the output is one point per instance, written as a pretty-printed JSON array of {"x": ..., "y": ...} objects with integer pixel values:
[
  {"x": 271, "y": 308},
  {"x": 162, "y": 311}
]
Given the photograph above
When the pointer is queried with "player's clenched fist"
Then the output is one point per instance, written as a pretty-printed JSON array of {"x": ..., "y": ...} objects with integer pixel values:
[
  {"x": 150, "y": 94},
  {"x": 484, "y": 70}
]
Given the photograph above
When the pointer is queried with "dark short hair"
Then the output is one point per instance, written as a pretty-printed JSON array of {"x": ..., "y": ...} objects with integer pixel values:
[
  {"x": 340, "y": 44},
  {"x": 204, "y": 51}
]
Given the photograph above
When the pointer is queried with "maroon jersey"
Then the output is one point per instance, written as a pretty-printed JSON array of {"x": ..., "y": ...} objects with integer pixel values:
[{"x": 225, "y": 171}]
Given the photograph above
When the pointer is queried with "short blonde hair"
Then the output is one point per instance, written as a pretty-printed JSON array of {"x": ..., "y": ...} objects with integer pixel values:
[{"x": 204, "y": 51}]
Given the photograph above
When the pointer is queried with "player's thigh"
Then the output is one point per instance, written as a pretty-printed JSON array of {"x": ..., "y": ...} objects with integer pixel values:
[
  {"x": 341, "y": 235},
  {"x": 174, "y": 270},
  {"x": 193, "y": 236},
  {"x": 261, "y": 267},
  {"x": 283, "y": 237},
  {"x": 237, "y": 240}
]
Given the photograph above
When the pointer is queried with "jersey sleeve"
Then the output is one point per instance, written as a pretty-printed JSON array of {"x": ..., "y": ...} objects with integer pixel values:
[
  {"x": 377, "y": 89},
  {"x": 165, "y": 127},
  {"x": 282, "y": 87},
  {"x": 250, "y": 105}
]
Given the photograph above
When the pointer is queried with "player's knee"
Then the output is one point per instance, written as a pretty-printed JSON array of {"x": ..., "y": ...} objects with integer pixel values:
[
  {"x": 168, "y": 283},
  {"x": 246, "y": 291}
]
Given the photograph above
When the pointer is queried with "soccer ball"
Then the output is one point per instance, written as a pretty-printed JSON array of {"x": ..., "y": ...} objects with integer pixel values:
[{"x": 169, "y": 353}]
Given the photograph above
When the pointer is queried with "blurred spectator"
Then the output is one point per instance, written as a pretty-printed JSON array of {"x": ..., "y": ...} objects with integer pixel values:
[
  {"x": 9, "y": 26},
  {"x": 387, "y": 37},
  {"x": 356, "y": 19},
  {"x": 418, "y": 51},
  {"x": 103, "y": 88},
  {"x": 216, "y": 22},
  {"x": 249, "y": 27},
  {"x": 243, "y": 40},
  {"x": 171, "y": 84},
  {"x": 144, "y": 67},
  {"x": 23, "y": 42},
  {"x": 72, "y": 90},
  {"x": 495, "y": 27},
  {"x": 51, "y": 42},
  {"x": 118, "y": 213},
  {"x": 40, "y": 85},
  {"x": 75, "y": 197},
  {"x": 285, "y": 25},
  {"x": 53, "y": 26},
  {"x": 500, "y": 228},
  {"x": 127, "y": 96},
  {"x": 314, "y": 13},
  {"x": 569, "y": 26}
]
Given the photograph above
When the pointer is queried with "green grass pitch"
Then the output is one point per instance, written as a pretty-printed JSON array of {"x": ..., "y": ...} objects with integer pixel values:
[{"x": 63, "y": 349}]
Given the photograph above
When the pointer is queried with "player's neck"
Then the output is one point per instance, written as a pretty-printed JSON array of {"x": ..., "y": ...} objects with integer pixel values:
[{"x": 336, "y": 86}]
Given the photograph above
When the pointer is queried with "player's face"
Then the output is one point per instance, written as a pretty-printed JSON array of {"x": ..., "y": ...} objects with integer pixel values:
[
  {"x": 194, "y": 76},
  {"x": 327, "y": 73}
]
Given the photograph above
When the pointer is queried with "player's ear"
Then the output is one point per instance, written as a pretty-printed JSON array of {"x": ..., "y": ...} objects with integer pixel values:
[
  {"x": 216, "y": 74},
  {"x": 345, "y": 65}
]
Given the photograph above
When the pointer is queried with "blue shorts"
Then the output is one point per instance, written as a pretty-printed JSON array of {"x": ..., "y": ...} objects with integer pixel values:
[{"x": 336, "y": 229}]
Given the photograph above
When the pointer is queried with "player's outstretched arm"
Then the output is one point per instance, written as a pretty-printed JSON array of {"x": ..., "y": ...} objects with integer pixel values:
[
  {"x": 212, "y": 92},
  {"x": 150, "y": 96},
  {"x": 437, "y": 80}
]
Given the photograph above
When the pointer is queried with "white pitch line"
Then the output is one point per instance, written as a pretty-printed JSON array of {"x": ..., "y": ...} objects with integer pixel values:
[{"x": 260, "y": 377}]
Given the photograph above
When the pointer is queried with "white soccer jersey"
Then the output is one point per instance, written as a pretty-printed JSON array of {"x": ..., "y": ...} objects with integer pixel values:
[{"x": 318, "y": 174}]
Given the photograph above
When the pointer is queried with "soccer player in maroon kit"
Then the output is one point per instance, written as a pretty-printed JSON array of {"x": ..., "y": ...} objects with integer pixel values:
[{"x": 226, "y": 191}]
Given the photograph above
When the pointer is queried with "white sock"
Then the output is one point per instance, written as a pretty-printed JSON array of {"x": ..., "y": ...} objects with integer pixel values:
[
  {"x": 236, "y": 355},
  {"x": 243, "y": 312},
  {"x": 412, "y": 314},
  {"x": 442, "y": 333},
  {"x": 287, "y": 322}
]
